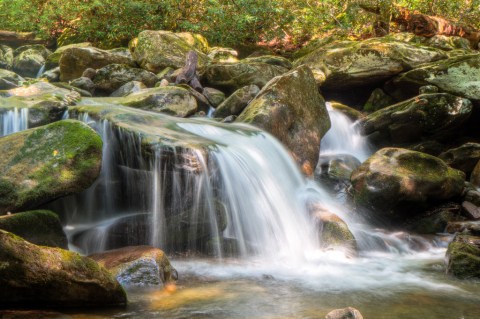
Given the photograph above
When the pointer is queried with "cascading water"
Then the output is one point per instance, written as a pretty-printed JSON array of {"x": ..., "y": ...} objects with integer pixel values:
[{"x": 13, "y": 121}]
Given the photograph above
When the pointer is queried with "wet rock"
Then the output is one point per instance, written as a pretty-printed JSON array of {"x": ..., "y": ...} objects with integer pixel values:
[
  {"x": 84, "y": 83},
  {"x": 464, "y": 157},
  {"x": 9, "y": 80},
  {"x": 214, "y": 96},
  {"x": 29, "y": 59},
  {"x": 332, "y": 230},
  {"x": 74, "y": 61},
  {"x": 53, "y": 59},
  {"x": 6, "y": 57},
  {"x": 156, "y": 50},
  {"x": 129, "y": 88},
  {"x": 290, "y": 108},
  {"x": 353, "y": 114},
  {"x": 233, "y": 76},
  {"x": 45, "y": 163},
  {"x": 431, "y": 147},
  {"x": 52, "y": 75},
  {"x": 51, "y": 277},
  {"x": 40, "y": 227},
  {"x": 334, "y": 171},
  {"x": 237, "y": 102},
  {"x": 396, "y": 183},
  {"x": 435, "y": 220},
  {"x": 463, "y": 257},
  {"x": 465, "y": 227},
  {"x": 137, "y": 265},
  {"x": 113, "y": 76},
  {"x": 346, "y": 313},
  {"x": 377, "y": 101}
]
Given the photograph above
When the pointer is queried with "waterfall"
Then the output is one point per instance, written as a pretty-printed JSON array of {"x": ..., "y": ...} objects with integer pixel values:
[
  {"x": 40, "y": 71},
  {"x": 13, "y": 121}
]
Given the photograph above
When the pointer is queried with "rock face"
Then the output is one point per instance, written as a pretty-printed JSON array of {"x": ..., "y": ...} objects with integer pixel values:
[
  {"x": 74, "y": 61},
  {"x": 51, "y": 277},
  {"x": 346, "y": 313},
  {"x": 463, "y": 257},
  {"x": 233, "y": 76},
  {"x": 29, "y": 59},
  {"x": 113, "y": 76},
  {"x": 237, "y": 102},
  {"x": 464, "y": 157},
  {"x": 48, "y": 162},
  {"x": 40, "y": 227},
  {"x": 395, "y": 178},
  {"x": 9, "y": 79},
  {"x": 427, "y": 116},
  {"x": 156, "y": 50},
  {"x": 137, "y": 265},
  {"x": 343, "y": 64},
  {"x": 290, "y": 108}
]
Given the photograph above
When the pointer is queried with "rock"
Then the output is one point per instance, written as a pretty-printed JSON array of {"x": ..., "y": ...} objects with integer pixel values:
[
  {"x": 74, "y": 61},
  {"x": 465, "y": 227},
  {"x": 428, "y": 116},
  {"x": 52, "y": 75},
  {"x": 353, "y": 114},
  {"x": 290, "y": 108},
  {"x": 156, "y": 50},
  {"x": 84, "y": 83},
  {"x": 9, "y": 80},
  {"x": 89, "y": 73},
  {"x": 214, "y": 96},
  {"x": 435, "y": 220},
  {"x": 426, "y": 89},
  {"x": 203, "y": 105},
  {"x": 53, "y": 59},
  {"x": 113, "y": 76},
  {"x": 395, "y": 182},
  {"x": 6, "y": 57},
  {"x": 475, "y": 176},
  {"x": 69, "y": 87},
  {"x": 431, "y": 147},
  {"x": 128, "y": 88},
  {"x": 29, "y": 59},
  {"x": 345, "y": 64},
  {"x": 166, "y": 74},
  {"x": 237, "y": 102},
  {"x": 40, "y": 227},
  {"x": 32, "y": 314},
  {"x": 377, "y": 101},
  {"x": 456, "y": 75},
  {"x": 334, "y": 171},
  {"x": 223, "y": 55},
  {"x": 463, "y": 257},
  {"x": 471, "y": 195},
  {"x": 195, "y": 40},
  {"x": 233, "y": 76},
  {"x": 51, "y": 277},
  {"x": 45, "y": 163},
  {"x": 346, "y": 313},
  {"x": 272, "y": 60},
  {"x": 163, "y": 82},
  {"x": 464, "y": 157},
  {"x": 442, "y": 42},
  {"x": 137, "y": 265},
  {"x": 333, "y": 231},
  {"x": 472, "y": 210}
]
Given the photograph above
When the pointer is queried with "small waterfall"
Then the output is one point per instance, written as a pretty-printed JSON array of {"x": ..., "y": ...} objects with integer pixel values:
[
  {"x": 13, "y": 121},
  {"x": 40, "y": 71}
]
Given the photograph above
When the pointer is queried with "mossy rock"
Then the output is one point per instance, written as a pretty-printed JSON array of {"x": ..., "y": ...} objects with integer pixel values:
[
  {"x": 475, "y": 176},
  {"x": 464, "y": 157},
  {"x": 222, "y": 55},
  {"x": 113, "y": 76},
  {"x": 442, "y": 42},
  {"x": 48, "y": 162},
  {"x": 463, "y": 257},
  {"x": 52, "y": 277},
  {"x": 272, "y": 60},
  {"x": 334, "y": 232},
  {"x": 9, "y": 79},
  {"x": 6, "y": 57},
  {"x": 195, "y": 40},
  {"x": 353, "y": 114},
  {"x": 237, "y": 101},
  {"x": 137, "y": 265},
  {"x": 435, "y": 220},
  {"x": 395, "y": 178},
  {"x": 128, "y": 88},
  {"x": 29, "y": 59},
  {"x": 40, "y": 227},
  {"x": 377, "y": 101},
  {"x": 290, "y": 108},
  {"x": 53, "y": 59},
  {"x": 156, "y": 50}
]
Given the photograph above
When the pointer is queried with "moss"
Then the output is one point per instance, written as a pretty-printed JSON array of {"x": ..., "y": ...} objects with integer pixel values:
[{"x": 463, "y": 259}]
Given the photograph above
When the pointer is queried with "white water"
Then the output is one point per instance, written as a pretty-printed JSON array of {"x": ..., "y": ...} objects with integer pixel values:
[
  {"x": 40, "y": 71},
  {"x": 13, "y": 121}
]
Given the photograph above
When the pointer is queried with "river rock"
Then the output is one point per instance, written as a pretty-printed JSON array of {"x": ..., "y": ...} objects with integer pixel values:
[
  {"x": 53, "y": 59},
  {"x": 237, "y": 102},
  {"x": 442, "y": 42},
  {"x": 427, "y": 116},
  {"x": 290, "y": 108},
  {"x": 463, "y": 257},
  {"x": 233, "y": 76},
  {"x": 378, "y": 100},
  {"x": 464, "y": 157},
  {"x": 128, "y": 88},
  {"x": 464, "y": 227},
  {"x": 334, "y": 171},
  {"x": 436, "y": 219},
  {"x": 344, "y": 64},
  {"x": 51, "y": 277},
  {"x": 113, "y": 76},
  {"x": 137, "y": 265},
  {"x": 41, "y": 164},
  {"x": 195, "y": 40},
  {"x": 84, "y": 83},
  {"x": 74, "y": 61},
  {"x": 40, "y": 227},
  {"x": 346, "y": 313},
  {"x": 214, "y": 96},
  {"x": 6, "y": 57},
  {"x": 52, "y": 75},
  {"x": 9, "y": 79},
  {"x": 272, "y": 60},
  {"x": 395, "y": 182},
  {"x": 29, "y": 59},
  {"x": 223, "y": 55},
  {"x": 475, "y": 176},
  {"x": 333, "y": 231},
  {"x": 353, "y": 114},
  {"x": 156, "y": 50}
]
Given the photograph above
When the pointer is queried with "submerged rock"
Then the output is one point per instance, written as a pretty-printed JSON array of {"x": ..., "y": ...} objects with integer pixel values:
[
  {"x": 346, "y": 313},
  {"x": 51, "y": 277},
  {"x": 396, "y": 182},
  {"x": 29, "y": 59},
  {"x": 463, "y": 257},
  {"x": 41, "y": 164},
  {"x": 113, "y": 76},
  {"x": 137, "y": 265},
  {"x": 40, "y": 227},
  {"x": 290, "y": 108}
]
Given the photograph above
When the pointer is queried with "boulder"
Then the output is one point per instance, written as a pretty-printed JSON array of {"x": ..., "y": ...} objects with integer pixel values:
[
  {"x": 156, "y": 50},
  {"x": 270, "y": 59},
  {"x": 353, "y": 114},
  {"x": 84, "y": 84},
  {"x": 9, "y": 80},
  {"x": 223, "y": 55},
  {"x": 463, "y": 257},
  {"x": 427, "y": 116},
  {"x": 74, "y": 61},
  {"x": 53, "y": 59},
  {"x": 442, "y": 42},
  {"x": 82, "y": 81},
  {"x": 52, "y": 75},
  {"x": 6, "y": 57},
  {"x": 435, "y": 220},
  {"x": 48, "y": 162},
  {"x": 195, "y": 40},
  {"x": 395, "y": 183},
  {"x": 233, "y": 76},
  {"x": 334, "y": 171},
  {"x": 113, "y": 76},
  {"x": 464, "y": 227},
  {"x": 214, "y": 96},
  {"x": 346, "y": 313},
  {"x": 332, "y": 230},
  {"x": 128, "y": 88},
  {"x": 464, "y": 157},
  {"x": 137, "y": 265},
  {"x": 290, "y": 108},
  {"x": 237, "y": 102},
  {"x": 51, "y": 277},
  {"x": 344, "y": 64},
  {"x": 378, "y": 100},
  {"x": 475, "y": 176},
  {"x": 29, "y": 59}
]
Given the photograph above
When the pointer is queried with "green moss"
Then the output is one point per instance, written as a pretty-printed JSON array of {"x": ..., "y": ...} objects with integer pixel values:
[{"x": 463, "y": 260}]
